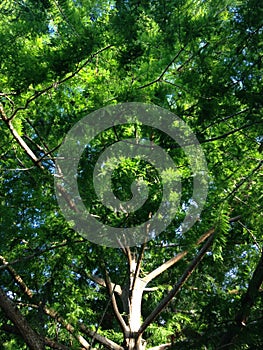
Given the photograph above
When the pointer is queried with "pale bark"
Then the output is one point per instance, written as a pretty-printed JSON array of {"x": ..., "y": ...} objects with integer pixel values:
[
  {"x": 101, "y": 339},
  {"x": 17, "y": 278},
  {"x": 67, "y": 326},
  {"x": 165, "y": 301},
  {"x": 161, "y": 347},
  {"x": 18, "y": 138},
  {"x": 101, "y": 282},
  {"x": 166, "y": 265}
]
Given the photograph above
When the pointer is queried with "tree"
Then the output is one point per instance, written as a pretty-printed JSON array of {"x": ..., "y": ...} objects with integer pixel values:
[{"x": 61, "y": 60}]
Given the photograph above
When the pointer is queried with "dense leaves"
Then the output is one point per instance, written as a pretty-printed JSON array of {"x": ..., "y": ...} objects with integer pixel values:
[{"x": 61, "y": 60}]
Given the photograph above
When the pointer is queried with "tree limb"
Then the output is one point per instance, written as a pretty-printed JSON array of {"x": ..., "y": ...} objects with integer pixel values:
[
  {"x": 153, "y": 274},
  {"x": 164, "y": 71},
  {"x": 38, "y": 253},
  {"x": 17, "y": 278},
  {"x": 138, "y": 264},
  {"x": 101, "y": 339},
  {"x": 53, "y": 314},
  {"x": 32, "y": 339},
  {"x": 165, "y": 301},
  {"x": 161, "y": 347},
  {"x": 48, "y": 342},
  {"x": 114, "y": 304},
  {"x": 19, "y": 139},
  {"x": 57, "y": 83},
  {"x": 102, "y": 283},
  {"x": 247, "y": 302},
  {"x": 49, "y": 312},
  {"x": 174, "y": 259}
]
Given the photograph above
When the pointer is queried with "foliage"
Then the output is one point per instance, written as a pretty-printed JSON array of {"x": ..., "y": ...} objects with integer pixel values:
[{"x": 63, "y": 59}]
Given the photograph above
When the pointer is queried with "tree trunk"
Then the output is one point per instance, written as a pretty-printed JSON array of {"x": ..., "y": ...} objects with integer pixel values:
[
  {"x": 132, "y": 301},
  {"x": 31, "y": 338},
  {"x": 135, "y": 343}
]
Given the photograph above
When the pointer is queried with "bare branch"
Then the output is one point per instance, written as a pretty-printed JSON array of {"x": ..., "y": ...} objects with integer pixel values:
[
  {"x": 53, "y": 314},
  {"x": 17, "y": 278},
  {"x": 241, "y": 183},
  {"x": 138, "y": 265},
  {"x": 164, "y": 267},
  {"x": 19, "y": 139},
  {"x": 100, "y": 281},
  {"x": 231, "y": 132},
  {"x": 38, "y": 253},
  {"x": 48, "y": 342},
  {"x": 164, "y": 71},
  {"x": 175, "y": 259},
  {"x": 165, "y": 301},
  {"x": 101, "y": 339},
  {"x": 115, "y": 306},
  {"x": 161, "y": 347},
  {"x": 181, "y": 255}
]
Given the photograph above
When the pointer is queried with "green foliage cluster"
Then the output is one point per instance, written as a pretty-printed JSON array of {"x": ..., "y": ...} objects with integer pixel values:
[{"x": 202, "y": 60}]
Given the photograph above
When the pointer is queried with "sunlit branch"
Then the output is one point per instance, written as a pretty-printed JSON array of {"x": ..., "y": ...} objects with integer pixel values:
[
  {"x": 53, "y": 314},
  {"x": 17, "y": 278},
  {"x": 101, "y": 339},
  {"x": 165, "y": 301}
]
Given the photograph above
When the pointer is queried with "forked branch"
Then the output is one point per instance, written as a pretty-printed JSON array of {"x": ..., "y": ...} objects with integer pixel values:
[{"x": 165, "y": 301}]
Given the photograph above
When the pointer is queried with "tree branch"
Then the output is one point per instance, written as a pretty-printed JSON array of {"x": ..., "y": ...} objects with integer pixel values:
[
  {"x": 181, "y": 255},
  {"x": 175, "y": 259},
  {"x": 241, "y": 183},
  {"x": 19, "y": 139},
  {"x": 48, "y": 342},
  {"x": 230, "y": 132},
  {"x": 102, "y": 283},
  {"x": 247, "y": 302},
  {"x": 32, "y": 339},
  {"x": 53, "y": 314},
  {"x": 165, "y": 301},
  {"x": 164, "y": 71},
  {"x": 17, "y": 278},
  {"x": 161, "y": 347},
  {"x": 101, "y": 339},
  {"x": 57, "y": 83},
  {"x": 49, "y": 312},
  {"x": 210, "y": 235},
  {"x": 114, "y": 304},
  {"x": 138, "y": 267},
  {"x": 38, "y": 253}
]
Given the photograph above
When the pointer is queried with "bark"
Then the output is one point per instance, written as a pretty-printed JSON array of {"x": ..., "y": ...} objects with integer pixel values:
[
  {"x": 247, "y": 303},
  {"x": 67, "y": 326},
  {"x": 160, "y": 269},
  {"x": 19, "y": 139},
  {"x": 161, "y": 347},
  {"x": 109, "y": 344},
  {"x": 17, "y": 278},
  {"x": 32, "y": 339},
  {"x": 131, "y": 293},
  {"x": 48, "y": 342},
  {"x": 177, "y": 286}
]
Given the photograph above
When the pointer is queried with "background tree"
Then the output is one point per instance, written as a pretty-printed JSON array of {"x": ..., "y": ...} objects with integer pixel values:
[{"x": 61, "y": 60}]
